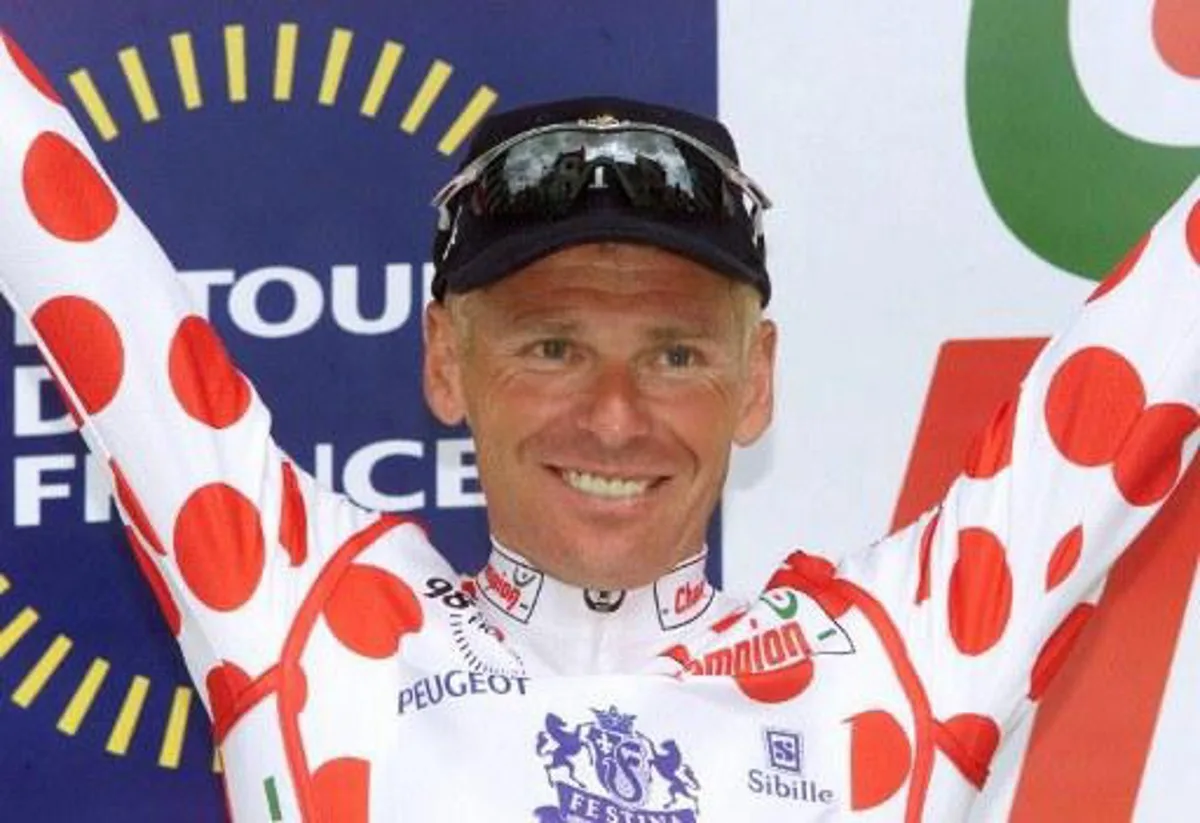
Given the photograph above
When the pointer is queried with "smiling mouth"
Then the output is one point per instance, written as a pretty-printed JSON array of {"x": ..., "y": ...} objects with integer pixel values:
[{"x": 607, "y": 487}]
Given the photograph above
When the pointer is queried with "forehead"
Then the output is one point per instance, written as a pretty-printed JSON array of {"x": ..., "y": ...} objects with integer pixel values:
[{"x": 624, "y": 279}]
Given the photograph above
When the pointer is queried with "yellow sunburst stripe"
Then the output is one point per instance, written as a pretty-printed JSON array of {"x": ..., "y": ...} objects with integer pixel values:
[
  {"x": 422, "y": 102},
  {"x": 185, "y": 69},
  {"x": 172, "y": 743},
  {"x": 335, "y": 65},
  {"x": 285, "y": 60},
  {"x": 385, "y": 70},
  {"x": 235, "y": 62},
  {"x": 479, "y": 104},
  {"x": 127, "y": 718},
  {"x": 33, "y": 683},
  {"x": 218, "y": 764},
  {"x": 11, "y": 634},
  {"x": 139, "y": 83},
  {"x": 81, "y": 702},
  {"x": 93, "y": 103},
  {"x": 4, "y": 584}
]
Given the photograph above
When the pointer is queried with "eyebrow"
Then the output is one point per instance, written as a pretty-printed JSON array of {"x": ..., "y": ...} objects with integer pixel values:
[
  {"x": 556, "y": 324},
  {"x": 535, "y": 322},
  {"x": 667, "y": 334}
]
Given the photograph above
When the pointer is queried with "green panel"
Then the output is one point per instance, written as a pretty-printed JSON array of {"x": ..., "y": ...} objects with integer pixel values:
[{"x": 1072, "y": 188}]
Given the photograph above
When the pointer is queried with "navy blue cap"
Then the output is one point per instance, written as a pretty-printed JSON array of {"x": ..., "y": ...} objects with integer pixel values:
[{"x": 475, "y": 252}]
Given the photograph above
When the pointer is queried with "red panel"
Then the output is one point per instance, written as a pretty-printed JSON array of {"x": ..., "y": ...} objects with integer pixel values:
[{"x": 971, "y": 380}]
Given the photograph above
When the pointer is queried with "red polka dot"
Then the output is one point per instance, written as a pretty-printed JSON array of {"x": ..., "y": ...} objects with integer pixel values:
[
  {"x": 27, "y": 68},
  {"x": 778, "y": 685},
  {"x": 87, "y": 346},
  {"x": 1065, "y": 557},
  {"x": 980, "y": 592},
  {"x": 926, "y": 553},
  {"x": 1122, "y": 269},
  {"x": 816, "y": 577},
  {"x": 158, "y": 586},
  {"x": 1052, "y": 656},
  {"x": 992, "y": 450},
  {"x": 975, "y": 739},
  {"x": 370, "y": 610},
  {"x": 880, "y": 758},
  {"x": 1176, "y": 29},
  {"x": 341, "y": 789},
  {"x": 1192, "y": 232},
  {"x": 225, "y": 684},
  {"x": 205, "y": 381},
  {"x": 1093, "y": 401},
  {"x": 1150, "y": 461},
  {"x": 219, "y": 546},
  {"x": 133, "y": 509},
  {"x": 65, "y": 193},
  {"x": 293, "y": 519}
]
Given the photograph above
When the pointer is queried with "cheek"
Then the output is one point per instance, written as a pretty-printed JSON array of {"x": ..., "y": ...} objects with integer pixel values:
[
  {"x": 505, "y": 409},
  {"x": 702, "y": 421}
]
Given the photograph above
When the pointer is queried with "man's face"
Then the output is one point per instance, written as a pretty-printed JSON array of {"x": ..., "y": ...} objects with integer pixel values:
[{"x": 604, "y": 386}]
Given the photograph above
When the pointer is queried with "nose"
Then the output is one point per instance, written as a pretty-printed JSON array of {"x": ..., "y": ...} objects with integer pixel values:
[{"x": 614, "y": 408}]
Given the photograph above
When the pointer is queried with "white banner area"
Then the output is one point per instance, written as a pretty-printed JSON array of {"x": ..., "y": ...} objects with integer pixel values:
[{"x": 887, "y": 243}]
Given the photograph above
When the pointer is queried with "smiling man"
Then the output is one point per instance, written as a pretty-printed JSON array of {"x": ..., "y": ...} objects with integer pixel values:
[
  {"x": 604, "y": 385},
  {"x": 599, "y": 326},
  {"x": 597, "y": 323}
]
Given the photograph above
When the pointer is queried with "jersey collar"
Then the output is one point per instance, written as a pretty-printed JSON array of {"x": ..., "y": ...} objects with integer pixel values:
[{"x": 593, "y": 628}]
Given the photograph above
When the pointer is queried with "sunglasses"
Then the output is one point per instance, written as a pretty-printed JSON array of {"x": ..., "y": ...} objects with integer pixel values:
[{"x": 544, "y": 173}]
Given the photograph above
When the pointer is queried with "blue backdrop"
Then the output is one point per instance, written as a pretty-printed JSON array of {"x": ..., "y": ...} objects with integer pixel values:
[{"x": 260, "y": 177}]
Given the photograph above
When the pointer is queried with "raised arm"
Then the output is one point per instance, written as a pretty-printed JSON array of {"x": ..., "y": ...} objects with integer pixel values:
[
  {"x": 983, "y": 596},
  {"x": 222, "y": 522}
]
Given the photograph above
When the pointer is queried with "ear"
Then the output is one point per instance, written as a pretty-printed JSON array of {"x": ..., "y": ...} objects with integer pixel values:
[
  {"x": 758, "y": 402},
  {"x": 443, "y": 369}
]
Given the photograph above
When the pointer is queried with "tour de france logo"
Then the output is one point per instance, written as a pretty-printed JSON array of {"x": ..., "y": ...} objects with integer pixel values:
[{"x": 604, "y": 769}]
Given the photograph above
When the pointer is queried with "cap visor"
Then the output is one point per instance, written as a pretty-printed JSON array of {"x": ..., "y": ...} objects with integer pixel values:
[{"x": 519, "y": 248}]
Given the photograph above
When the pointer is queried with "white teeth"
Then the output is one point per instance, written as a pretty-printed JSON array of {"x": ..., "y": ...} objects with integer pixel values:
[{"x": 614, "y": 487}]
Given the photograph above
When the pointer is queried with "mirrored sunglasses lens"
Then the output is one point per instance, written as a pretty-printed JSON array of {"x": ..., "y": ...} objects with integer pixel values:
[{"x": 547, "y": 173}]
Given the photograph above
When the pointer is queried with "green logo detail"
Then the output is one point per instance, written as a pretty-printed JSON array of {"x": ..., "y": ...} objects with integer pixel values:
[
  {"x": 272, "y": 800},
  {"x": 1072, "y": 188},
  {"x": 785, "y": 612}
]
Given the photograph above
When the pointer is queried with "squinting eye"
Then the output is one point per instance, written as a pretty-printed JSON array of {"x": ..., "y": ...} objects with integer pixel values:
[
  {"x": 552, "y": 349},
  {"x": 679, "y": 357}
]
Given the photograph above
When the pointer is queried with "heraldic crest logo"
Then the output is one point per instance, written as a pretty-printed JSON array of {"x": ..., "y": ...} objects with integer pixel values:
[{"x": 604, "y": 770}]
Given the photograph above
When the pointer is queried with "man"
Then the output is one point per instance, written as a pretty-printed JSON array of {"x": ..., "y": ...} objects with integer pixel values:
[
  {"x": 605, "y": 384},
  {"x": 600, "y": 280}
]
